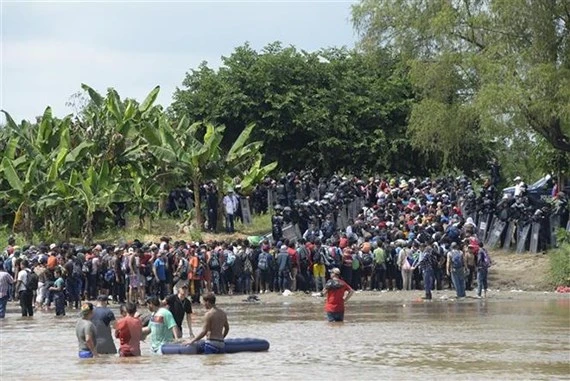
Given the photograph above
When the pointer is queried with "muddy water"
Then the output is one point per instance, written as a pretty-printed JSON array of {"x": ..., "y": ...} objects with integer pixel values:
[{"x": 475, "y": 339}]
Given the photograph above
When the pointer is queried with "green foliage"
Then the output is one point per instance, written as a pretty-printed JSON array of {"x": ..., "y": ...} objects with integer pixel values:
[
  {"x": 562, "y": 236},
  {"x": 496, "y": 71},
  {"x": 560, "y": 265},
  {"x": 260, "y": 225},
  {"x": 334, "y": 109},
  {"x": 63, "y": 178}
]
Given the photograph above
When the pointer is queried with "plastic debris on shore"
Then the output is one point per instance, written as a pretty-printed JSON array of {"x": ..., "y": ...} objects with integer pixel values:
[
  {"x": 286, "y": 293},
  {"x": 563, "y": 289}
]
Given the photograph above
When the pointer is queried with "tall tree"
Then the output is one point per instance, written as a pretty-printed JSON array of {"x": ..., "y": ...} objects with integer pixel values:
[
  {"x": 489, "y": 69},
  {"x": 333, "y": 109}
]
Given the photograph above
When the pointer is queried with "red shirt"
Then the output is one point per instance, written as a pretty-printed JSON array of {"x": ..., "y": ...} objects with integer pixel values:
[
  {"x": 335, "y": 297},
  {"x": 129, "y": 331},
  {"x": 293, "y": 256}
]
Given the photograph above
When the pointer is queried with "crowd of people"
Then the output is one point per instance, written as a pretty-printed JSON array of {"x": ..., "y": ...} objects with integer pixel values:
[{"x": 405, "y": 234}]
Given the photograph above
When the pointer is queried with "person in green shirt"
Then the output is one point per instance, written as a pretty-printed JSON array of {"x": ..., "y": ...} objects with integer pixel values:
[
  {"x": 58, "y": 294},
  {"x": 162, "y": 327},
  {"x": 379, "y": 281}
]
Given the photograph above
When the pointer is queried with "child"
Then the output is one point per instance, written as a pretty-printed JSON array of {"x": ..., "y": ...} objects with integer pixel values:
[{"x": 58, "y": 294}]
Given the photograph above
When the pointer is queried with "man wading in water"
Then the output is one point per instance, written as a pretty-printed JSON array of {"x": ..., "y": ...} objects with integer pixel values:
[
  {"x": 337, "y": 292},
  {"x": 216, "y": 328}
]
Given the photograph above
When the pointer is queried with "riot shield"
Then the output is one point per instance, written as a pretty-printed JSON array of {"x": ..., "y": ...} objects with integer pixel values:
[{"x": 534, "y": 237}]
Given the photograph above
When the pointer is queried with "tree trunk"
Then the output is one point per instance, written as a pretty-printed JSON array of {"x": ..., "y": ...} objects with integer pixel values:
[
  {"x": 28, "y": 225},
  {"x": 162, "y": 204},
  {"x": 88, "y": 229}
]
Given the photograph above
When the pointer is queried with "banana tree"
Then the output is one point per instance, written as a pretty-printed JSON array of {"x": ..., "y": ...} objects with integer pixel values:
[
  {"x": 237, "y": 161},
  {"x": 96, "y": 191},
  {"x": 27, "y": 156},
  {"x": 144, "y": 194},
  {"x": 23, "y": 192},
  {"x": 179, "y": 149},
  {"x": 255, "y": 175}
]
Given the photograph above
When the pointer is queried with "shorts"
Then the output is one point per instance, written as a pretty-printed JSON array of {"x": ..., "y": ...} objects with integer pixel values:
[
  {"x": 335, "y": 316},
  {"x": 212, "y": 347},
  {"x": 319, "y": 270},
  {"x": 41, "y": 293},
  {"x": 134, "y": 281},
  {"x": 85, "y": 354}
]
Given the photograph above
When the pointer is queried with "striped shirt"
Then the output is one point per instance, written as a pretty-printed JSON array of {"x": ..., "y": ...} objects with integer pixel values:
[{"x": 5, "y": 281}]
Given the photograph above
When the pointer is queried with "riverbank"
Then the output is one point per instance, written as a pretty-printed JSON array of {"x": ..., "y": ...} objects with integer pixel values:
[{"x": 393, "y": 297}]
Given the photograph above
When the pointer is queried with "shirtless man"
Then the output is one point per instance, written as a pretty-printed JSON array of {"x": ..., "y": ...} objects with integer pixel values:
[{"x": 215, "y": 329}]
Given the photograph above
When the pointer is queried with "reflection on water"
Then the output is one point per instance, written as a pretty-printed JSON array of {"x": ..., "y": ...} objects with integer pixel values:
[{"x": 478, "y": 339}]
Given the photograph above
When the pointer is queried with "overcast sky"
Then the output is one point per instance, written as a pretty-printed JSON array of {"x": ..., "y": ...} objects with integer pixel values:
[{"x": 50, "y": 48}]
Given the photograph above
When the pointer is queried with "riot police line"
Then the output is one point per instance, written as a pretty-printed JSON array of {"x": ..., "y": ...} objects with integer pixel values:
[{"x": 502, "y": 221}]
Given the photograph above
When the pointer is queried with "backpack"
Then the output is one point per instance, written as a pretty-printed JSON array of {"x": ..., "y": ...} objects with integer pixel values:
[
  {"x": 319, "y": 256},
  {"x": 483, "y": 259},
  {"x": 355, "y": 262},
  {"x": 335, "y": 256},
  {"x": 453, "y": 233},
  {"x": 125, "y": 264},
  {"x": 32, "y": 281},
  {"x": 214, "y": 261},
  {"x": 303, "y": 257},
  {"x": 76, "y": 272},
  {"x": 262, "y": 262},
  {"x": 8, "y": 265},
  {"x": 109, "y": 275},
  {"x": 247, "y": 265},
  {"x": 201, "y": 265},
  {"x": 457, "y": 260},
  {"x": 184, "y": 269},
  {"x": 231, "y": 258},
  {"x": 86, "y": 268},
  {"x": 367, "y": 260}
]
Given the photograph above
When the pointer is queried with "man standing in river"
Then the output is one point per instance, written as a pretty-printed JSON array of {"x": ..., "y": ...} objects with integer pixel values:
[
  {"x": 104, "y": 320},
  {"x": 216, "y": 328},
  {"x": 337, "y": 292}
]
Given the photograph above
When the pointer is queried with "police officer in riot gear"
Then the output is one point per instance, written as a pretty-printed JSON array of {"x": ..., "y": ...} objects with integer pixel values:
[{"x": 277, "y": 223}]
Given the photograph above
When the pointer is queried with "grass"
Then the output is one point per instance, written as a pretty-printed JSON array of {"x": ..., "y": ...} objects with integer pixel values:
[
  {"x": 560, "y": 260},
  {"x": 560, "y": 265},
  {"x": 260, "y": 225}
]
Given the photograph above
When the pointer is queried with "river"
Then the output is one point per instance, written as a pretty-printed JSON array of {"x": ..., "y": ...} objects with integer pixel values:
[{"x": 475, "y": 339}]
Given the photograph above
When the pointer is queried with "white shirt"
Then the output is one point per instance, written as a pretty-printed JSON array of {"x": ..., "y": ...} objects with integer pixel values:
[
  {"x": 230, "y": 204},
  {"x": 23, "y": 278},
  {"x": 518, "y": 189}
]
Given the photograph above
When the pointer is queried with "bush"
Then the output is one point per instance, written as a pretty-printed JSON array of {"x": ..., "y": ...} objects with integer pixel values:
[{"x": 560, "y": 265}]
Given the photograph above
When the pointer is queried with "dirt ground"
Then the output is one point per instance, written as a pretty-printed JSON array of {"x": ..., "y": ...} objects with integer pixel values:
[{"x": 526, "y": 271}]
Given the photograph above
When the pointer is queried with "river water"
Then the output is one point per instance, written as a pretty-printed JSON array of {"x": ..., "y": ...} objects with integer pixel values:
[{"x": 469, "y": 339}]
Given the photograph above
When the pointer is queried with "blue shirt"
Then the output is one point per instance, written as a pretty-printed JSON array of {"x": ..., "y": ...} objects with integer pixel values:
[{"x": 160, "y": 267}]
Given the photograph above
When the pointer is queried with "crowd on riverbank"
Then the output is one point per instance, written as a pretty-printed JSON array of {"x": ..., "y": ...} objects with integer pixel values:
[{"x": 407, "y": 235}]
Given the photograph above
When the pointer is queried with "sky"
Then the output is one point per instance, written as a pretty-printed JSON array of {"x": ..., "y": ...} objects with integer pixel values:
[{"x": 49, "y": 48}]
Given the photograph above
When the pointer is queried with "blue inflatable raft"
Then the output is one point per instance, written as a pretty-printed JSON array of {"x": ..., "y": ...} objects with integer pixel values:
[{"x": 232, "y": 346}]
